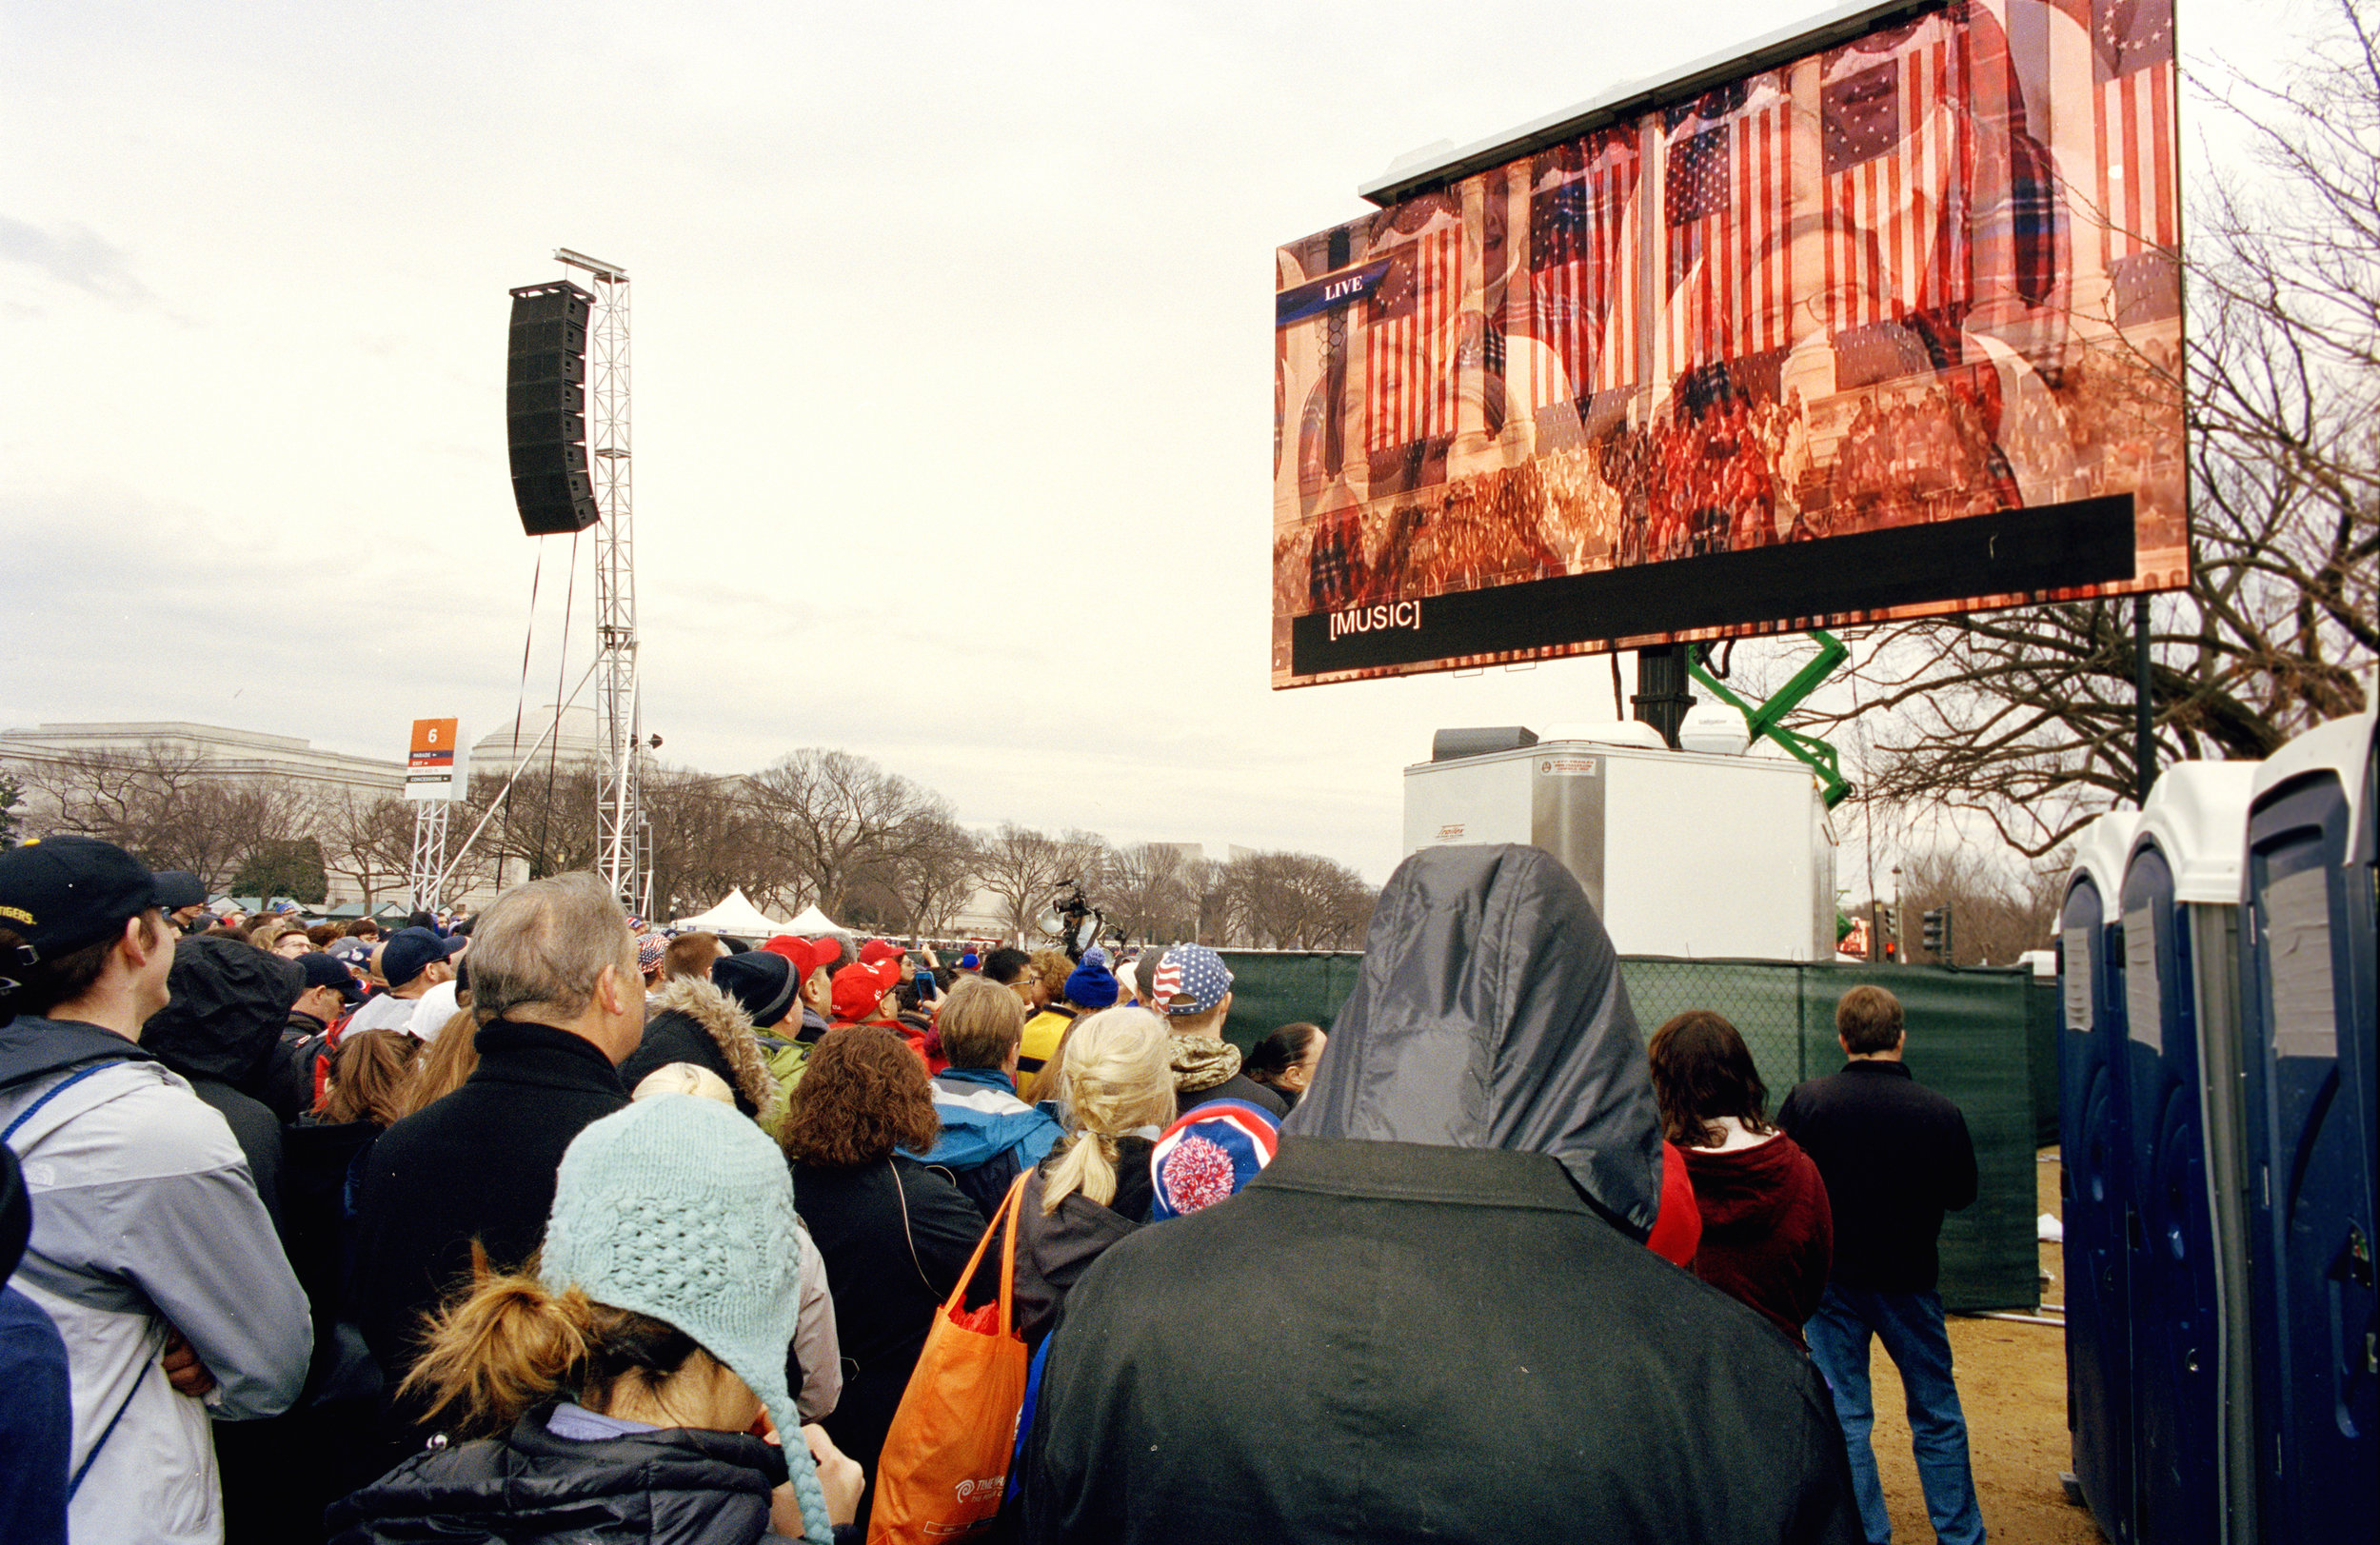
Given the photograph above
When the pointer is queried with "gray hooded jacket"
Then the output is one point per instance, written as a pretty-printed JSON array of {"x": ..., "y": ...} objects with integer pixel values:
[
  {"x": 1491, "y": 1013},
  {"x": 145, "y": 1217}
]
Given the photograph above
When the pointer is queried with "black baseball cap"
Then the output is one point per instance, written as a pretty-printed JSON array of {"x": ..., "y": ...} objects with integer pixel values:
[
  {"x": 410, "y": 953},
  {"x": 178, "y": 888},
  {"x": 329, "y": 971},
  {"x": 61, "y": 893}
]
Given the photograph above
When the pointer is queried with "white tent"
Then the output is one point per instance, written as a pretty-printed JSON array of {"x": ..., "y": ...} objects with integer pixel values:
[
  {"x": 736, "y": 915},
  {"x": 812, "y": 922}
]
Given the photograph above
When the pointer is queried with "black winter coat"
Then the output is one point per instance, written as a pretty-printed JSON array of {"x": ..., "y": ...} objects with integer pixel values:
[
  {"x": 884, "y": 1298},
  {"x": 1895, "y": 1155},
  {"x": 478, "y": 1164},
  {"x": 678, "y": 1486},
  {"x": 1427, "y": 1343},
  {"x": 1444, "y": 1323}
]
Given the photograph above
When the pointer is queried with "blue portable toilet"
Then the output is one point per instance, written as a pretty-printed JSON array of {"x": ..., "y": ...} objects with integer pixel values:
[
  {"x": 2184, "y": 1222},
  {"x": 2096, "y": 1174},
  {"x": 2309, "y": 1003}
]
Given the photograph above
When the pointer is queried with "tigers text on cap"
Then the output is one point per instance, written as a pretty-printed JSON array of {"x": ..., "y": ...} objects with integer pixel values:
[
  {"x": 1190, "y": 979},
  {"x": 61, "y": 893}
]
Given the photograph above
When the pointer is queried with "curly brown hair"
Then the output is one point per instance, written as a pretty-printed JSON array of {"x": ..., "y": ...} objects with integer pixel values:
[{"x": 863, "y": 1094}]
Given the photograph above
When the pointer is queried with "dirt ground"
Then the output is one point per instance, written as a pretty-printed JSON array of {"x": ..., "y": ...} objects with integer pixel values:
[{"x": 2012, "y": 1381}]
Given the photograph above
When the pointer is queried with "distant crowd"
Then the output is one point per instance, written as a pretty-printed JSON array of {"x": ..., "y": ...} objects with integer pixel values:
[{"x": 546, "y": 1224}]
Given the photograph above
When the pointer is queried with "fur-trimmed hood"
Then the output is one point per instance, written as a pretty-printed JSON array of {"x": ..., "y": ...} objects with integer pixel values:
[{"x": 693, "y": 1022}]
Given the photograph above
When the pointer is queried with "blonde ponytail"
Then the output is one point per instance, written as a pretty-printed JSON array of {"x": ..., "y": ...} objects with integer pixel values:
[
  {"x": 1117, "y": 1078},
  {"x": 489, "y": 1358}
]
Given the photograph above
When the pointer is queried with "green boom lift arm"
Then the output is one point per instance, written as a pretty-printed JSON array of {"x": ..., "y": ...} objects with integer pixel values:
[{"x": 1768, "y": 718}]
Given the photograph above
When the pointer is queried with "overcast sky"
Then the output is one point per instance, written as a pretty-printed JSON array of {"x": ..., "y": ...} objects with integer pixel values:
[{"x": 952, "y": 372}]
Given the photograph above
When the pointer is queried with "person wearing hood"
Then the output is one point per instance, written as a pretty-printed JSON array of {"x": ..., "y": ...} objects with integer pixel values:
[
  {"x": 150, "y": 1249},
  {"x": 1454, "y": 1229},
  {"x": 989, "y": 1137},
  {"x": 37, "y": 1419},
  {"x": 1767, "y": 1233},
  {"x": 221, "y": 1030},
  {"x": 711, "y": 1024}
]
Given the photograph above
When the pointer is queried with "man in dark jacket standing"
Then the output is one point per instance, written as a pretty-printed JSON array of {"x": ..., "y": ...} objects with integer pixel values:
[
  {"x": 1451, "y": 1237},
  {"x": 1895, "y": 1157},
  {"x": 560, "y": 1002}
]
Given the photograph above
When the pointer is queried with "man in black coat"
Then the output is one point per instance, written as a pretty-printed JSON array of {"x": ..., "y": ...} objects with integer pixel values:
[
  {"x": 1895, "y": 1155},
  {"x": 560, "y": 1002},
  {"x": 1444, "y": 1324}
]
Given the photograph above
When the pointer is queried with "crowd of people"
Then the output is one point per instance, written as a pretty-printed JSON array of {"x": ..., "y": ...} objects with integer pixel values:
[{"x": 543, "y": 1225}]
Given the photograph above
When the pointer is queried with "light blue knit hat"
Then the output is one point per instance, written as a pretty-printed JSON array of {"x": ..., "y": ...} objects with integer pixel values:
[{"x": 680, "y": 1208}]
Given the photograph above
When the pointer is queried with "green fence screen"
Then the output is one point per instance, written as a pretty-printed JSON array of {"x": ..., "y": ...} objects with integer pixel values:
[{"x": 1971, "y": 1035}]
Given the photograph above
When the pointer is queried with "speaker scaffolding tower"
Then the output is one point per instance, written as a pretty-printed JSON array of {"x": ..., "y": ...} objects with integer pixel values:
[{"x": 622, "y": 853}]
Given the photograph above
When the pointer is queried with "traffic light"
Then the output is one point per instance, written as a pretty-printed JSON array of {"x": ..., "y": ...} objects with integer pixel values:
[{"x": 1938, "y": 933}]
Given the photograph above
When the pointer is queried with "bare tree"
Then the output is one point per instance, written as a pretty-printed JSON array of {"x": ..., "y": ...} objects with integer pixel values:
[
  {"x": 1021, "y": 866},
  {"x": 368, "y": 842},
  {"x": 169, "y": 807},
  {"x": 1146, "y": 892},
  {"x": 2025, "y": 716},
  {"x": 708, "y": 839},
  {"x": 1300, "y": 901},
  {"x": 933, "y": 874},
  {"x": 833, "y": 812},
  {"x": 1998, "y": 909}
]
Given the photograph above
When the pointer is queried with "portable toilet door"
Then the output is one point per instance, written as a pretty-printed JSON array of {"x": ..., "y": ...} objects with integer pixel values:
[
  {"x": 2094, "y": 1176},
  {"x": 2180, "y": 904},
  {"x": 2308, "y": 1001}
]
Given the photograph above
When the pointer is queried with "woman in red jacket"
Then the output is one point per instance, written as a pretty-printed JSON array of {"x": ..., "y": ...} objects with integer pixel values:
[{"x": 1767, "y": 1231}]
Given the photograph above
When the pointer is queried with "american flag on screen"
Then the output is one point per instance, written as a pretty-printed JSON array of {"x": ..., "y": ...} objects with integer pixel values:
[
  {"x": 1409, "y": 343},
  {"x": 1727, "y": 195},
  {"x": 2131, "y": 49},
  {"x": 1583, "y": 273},
  {"x": 1900, "y": 151}
]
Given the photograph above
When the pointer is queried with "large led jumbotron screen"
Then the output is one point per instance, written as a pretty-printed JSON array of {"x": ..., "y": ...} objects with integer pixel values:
[{"x": 1888, "y": 329}]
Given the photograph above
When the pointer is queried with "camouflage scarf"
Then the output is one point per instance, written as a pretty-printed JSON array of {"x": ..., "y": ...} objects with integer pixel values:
[{"x": 1202, "y": 1062}]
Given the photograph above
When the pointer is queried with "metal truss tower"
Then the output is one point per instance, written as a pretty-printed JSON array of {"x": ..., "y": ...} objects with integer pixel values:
[
  {"x": 429, "y": 852},
  {"x": 621, "y": 852}
]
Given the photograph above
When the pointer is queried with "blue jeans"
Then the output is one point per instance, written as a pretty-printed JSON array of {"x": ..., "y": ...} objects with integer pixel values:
[{"x": 1910, "y": 1326}]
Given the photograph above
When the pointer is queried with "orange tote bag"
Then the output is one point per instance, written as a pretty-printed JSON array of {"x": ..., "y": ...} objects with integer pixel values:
[{"x": 945, "y": 1460}]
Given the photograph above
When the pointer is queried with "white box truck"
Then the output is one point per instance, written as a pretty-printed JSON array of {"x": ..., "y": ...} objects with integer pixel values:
[{"x": 1682, "y": 853}]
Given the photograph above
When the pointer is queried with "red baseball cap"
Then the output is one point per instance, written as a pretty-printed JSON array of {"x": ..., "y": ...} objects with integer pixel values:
[
  {"x": 807, "y": 955},
  {"x": 879, "y": 949},
  {"x": 859, "y": 987}
]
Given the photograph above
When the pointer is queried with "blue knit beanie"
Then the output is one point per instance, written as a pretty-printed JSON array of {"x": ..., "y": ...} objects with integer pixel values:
[
  {"x": 681, "y": 1209},
  {"x": 1092, "y": 986}
]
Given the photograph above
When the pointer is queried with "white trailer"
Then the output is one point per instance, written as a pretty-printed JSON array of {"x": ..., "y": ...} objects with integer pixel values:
[{"x": 1681, "y": 852}]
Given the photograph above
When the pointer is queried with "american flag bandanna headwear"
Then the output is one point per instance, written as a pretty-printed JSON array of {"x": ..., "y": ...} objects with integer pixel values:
[
  {"x": 1210, "y": 1153},
  {"x": 1190, "y": 979}
]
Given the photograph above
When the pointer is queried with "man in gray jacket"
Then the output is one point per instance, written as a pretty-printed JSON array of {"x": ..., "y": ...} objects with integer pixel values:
[{"x": 150, "y": 1249}]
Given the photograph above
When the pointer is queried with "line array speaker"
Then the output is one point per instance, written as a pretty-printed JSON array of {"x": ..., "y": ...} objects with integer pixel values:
[{"x": 545, "y": 408}]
